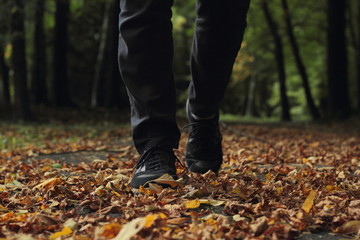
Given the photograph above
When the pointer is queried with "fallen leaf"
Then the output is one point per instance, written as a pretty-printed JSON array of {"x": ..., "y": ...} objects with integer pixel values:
[
  {"x": 349, "y": 228},
  {"x": 130, "y": 229},
  {"x": 260, "y": 225},
  {"x": 150, "y": 219},
  {"x": 155, "y": 188},
  {"x": 177, "y": 221},
  {"x": 110, "y": 230},
  {"x": 309, "y": 201},
  {"x": 192, "y": 203},
  {"x": 64, "y": 232},
  {"x": 165, "y": 179},
  {"x": 47, "y": 184}
]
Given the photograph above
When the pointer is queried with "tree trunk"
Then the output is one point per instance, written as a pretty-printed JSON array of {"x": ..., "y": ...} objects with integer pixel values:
[
  {"x": 279, "y": 55},
  {"x": 299, "y": 62},
  {"x": 4, "y": 69},
  {"x": 60, "y": 79},
  {"x": 100, "y": 56},
  {"x": 358, "y": 59},
  {"x": 22, "y": 105},
  {"x": 339, "y": 104},
  {"x": 38, "y": 86}
]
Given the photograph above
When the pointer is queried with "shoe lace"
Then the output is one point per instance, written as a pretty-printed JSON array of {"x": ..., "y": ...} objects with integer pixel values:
[{"x": 155, "y": 157}]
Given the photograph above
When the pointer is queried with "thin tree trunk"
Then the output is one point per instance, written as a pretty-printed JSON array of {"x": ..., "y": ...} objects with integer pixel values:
[
  {"x": 358, "y": 59},
  {"x": 100, "y": 56},
  {"x": 22, "y": 105},
  {"x": 39, "y": 88},
  {"x": 60, "y": 79},
  {"x": 4, "y": 69},
  {"x": 358, "y": 74},
  {"x": 251, "y": 95},
  {"x": 339, "y": 104},
  {"x": 279, "y": 55},
  {"x": 299, "y": 62}
]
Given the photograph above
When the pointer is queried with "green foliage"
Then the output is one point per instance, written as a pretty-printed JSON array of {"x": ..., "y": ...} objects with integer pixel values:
[{"x": 255, "y": 61}]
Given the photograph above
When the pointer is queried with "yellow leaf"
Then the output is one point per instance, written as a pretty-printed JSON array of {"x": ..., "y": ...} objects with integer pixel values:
[
  {"x": 309, "y": 201},
  {"x": 211, "y": 221},
  {"x": 144, "y": 190},
  {"x": 49, "y": 183},
  {"x": 315, "y": 144},
  {"x": 197, "y": 202},
  {"x": 64, "y": 232},
  {"x": 279, "y": 190},
  {"x": 269, "y": 177},
  {"x": 2, "y": 208},
  {"x": 150, "y": 219},
  {"x": 116, "y": 193},
  {"x": 331, "y": 188},
  {"x": 192, "y": 203}
]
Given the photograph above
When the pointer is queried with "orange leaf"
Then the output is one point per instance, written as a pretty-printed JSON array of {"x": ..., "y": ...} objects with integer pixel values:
[
  {"x": 111, "y": 230},
  {"x": 309, "y": 201}
]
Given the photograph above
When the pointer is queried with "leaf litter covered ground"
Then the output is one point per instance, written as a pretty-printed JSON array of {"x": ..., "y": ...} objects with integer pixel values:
[{"x": 276, "y": 183}]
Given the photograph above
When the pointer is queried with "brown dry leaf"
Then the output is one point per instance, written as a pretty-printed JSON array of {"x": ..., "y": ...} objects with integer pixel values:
[
  {"x": 155, "y": 188},
  {"x": 309, "y": 201},
  {"x": 260, "y": 225},
  {"x": 166, "y": 179},
  {"x": 349, "y": 228},
  {"x": 130, "y": 229},
  {"x": 177, "y": 221}
]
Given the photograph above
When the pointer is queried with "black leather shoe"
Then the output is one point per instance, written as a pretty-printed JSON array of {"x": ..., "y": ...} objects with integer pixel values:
[
  {"x": 204, "y": 150},
  {"x": 152, "y": 164}
]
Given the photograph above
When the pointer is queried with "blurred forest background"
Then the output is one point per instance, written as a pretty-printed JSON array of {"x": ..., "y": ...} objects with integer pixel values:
[{"x": 299, "y": 60}]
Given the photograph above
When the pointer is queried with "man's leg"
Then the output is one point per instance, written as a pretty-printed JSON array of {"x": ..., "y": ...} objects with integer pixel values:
[
  {"x": 145, "y": 61},
  {"x": 219, "y": 31}
]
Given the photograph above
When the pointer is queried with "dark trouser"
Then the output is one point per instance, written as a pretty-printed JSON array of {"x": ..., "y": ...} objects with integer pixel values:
[{"x": 145, "y": 60}]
